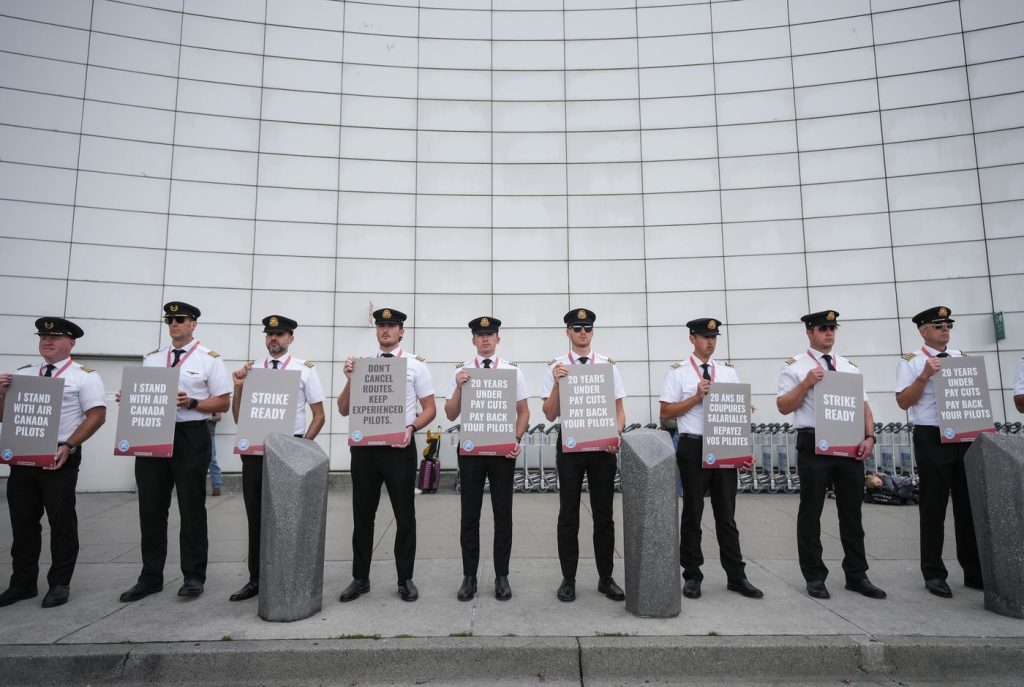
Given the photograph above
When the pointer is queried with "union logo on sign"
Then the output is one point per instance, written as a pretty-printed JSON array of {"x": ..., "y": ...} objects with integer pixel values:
[
  {"x": 467, "y": 445},
  {"x": 357, "y": 435},
  {"x": 710, "y": 459},
  {"x": 243, "y": 444},
  {"x": 823, "y": 445},
  {"x": 571, "y": 442},
  {"x": 7, "y": 454},
  {"x": 123, "y": 445},
  {"x": 949, "y": 433}
]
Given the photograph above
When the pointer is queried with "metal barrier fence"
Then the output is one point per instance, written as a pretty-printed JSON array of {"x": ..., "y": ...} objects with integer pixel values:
[{"x": 773, "y": 471}]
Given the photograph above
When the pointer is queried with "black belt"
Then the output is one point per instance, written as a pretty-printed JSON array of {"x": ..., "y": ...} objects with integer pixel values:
[
  {"x": 190, "y": 423},
  {"x": 805, "y": 430},
  {"x": 695, "y": 437}
]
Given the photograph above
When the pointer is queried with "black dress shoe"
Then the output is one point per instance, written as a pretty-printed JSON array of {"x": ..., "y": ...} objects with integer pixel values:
[
  {"x": 14, "y": 594},
  {"x": 502, "y": 590},
  {"x": 468, "y": 589},
  {"x": 248, "y": 590},
  {"x": 745, "y": 588},
  {"x": 140, "y": 590},
  {"x": 191, "y": 588},
  {"x": 863, "y": 586},
  {"x": 354, "y": 590},
  {"x": 691, "y": 589},
  {"x": 567, "y": 590},
  {"x": 607, "y": 586},
  {"x": 817, "y": 589},
  {"x": 407, "y": 590},
  {"x": 938, "y": 587},
  {"x": 56, "y": 596},
  {"x": 974, "y": 584}
]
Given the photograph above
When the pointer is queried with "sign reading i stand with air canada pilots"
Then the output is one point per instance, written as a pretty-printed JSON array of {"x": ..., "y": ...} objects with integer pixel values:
[
  {"x": 727, "y": 438},
  {"x": 268, "y": 407},
  {"x": 31, "y": 421},
  {"x": 145, "y": 423},
  {"x": 377, "y": 402},
  {"x": 962, "y": 400},
  {"x": 838, "y": 414},
  {"x": 488, "y": 413},
  {"x": 586, "y": 403}
]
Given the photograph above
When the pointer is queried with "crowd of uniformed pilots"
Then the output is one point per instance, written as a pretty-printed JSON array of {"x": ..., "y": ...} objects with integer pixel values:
[{"x": 205, "y": 387}]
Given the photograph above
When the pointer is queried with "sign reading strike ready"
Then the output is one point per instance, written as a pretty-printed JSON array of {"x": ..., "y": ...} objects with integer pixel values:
[
  {"x": 586, "y": 400},
  {"x": 961, "y": 397},
  {"x": 145, "y": 423},
  {"x": 377, "y": 402},
  {"x": 488, "y": 413},
  {"x": 31, "y": 421},
  {"x": 268, "y": 407},
  {"x": 839, "y": 414},
  {"x": 727, "y": 438}
]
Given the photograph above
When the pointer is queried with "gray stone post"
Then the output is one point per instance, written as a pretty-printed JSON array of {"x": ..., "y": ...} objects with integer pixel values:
[
  {"x": 995, "y": 480},
  {"x": 650, "y": 523},
  {"x": 293, "y": 530}
]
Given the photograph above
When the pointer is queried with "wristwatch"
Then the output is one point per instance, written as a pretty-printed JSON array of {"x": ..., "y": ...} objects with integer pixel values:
[{"x": 192, "y": 403}]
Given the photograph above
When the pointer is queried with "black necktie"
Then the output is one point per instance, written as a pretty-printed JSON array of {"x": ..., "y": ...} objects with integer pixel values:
[
  {"x": 707, "y": 375},
  {"x": 275, "y": 363},
  {"x": 487, "y": 362},
  {"x": 828, "y": 361},
  {"x": 178, "y": 352},
  {"x": 49, "y": 370},
  {"x": 942, "y": 355},
  {"x": 387, "y": 355},
  {"x": 583, "y": 360}
]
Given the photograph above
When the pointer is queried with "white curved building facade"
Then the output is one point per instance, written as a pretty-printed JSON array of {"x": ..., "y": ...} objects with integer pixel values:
[{"x": 654, "y": 161}]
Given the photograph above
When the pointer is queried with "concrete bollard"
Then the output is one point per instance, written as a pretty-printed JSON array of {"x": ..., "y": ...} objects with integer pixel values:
[
  {"x": 995, "y": 480},
  {"x": 294, "y": 526},
  {"x": 650, "y": 522}
]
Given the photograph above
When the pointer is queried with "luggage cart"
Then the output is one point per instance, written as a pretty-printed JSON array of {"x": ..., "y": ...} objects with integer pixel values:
[
  {"x": 549, "y": 449},
  {"x": 530, "y": 445},
  {"x": 887, "y": 449},
  {"x": 762, "y": 468},
  {"x": 904, "y": 452},
  {"x": 745, "y": 483},
  {"x": 871, "y": 462}
]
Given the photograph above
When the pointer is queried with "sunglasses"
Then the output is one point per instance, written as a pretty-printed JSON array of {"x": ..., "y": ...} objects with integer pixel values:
[
  {"x": 826, "y": 327},
  {"x": 582, "y": 328},
  {"x": 177, "y": 319},
  {"x": 942, "y": 325}
]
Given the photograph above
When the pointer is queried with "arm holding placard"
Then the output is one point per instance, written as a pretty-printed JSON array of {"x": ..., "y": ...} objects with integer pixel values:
[
  {"x": 238, "y": 377},
  {"x": 522, "y": 424},
  {"x": 910, "y": 395},
  {"x": 620, "y": 423},
  {"x": 551, "y": 403},
  {"x": 453, "y": 406},
  {"x": 794, "y": 398},
  {"x": 345, "y": 395},
  {"x": 94, "y": 419},
  {"x": 5, "y": 384},
  {"x": 868, "y": 444},
  {"x": 670, "y": 411}
]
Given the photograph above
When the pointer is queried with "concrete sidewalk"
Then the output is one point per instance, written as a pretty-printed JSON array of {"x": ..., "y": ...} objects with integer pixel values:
[{"x": 788, "y": 637}]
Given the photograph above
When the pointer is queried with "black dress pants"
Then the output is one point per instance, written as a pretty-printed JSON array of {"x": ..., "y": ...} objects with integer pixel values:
[
  {"x": 252, "y": 495},
  {"x": 473, "y": 470},
  {"x": 941, "y": 471},
  {"x": 599, "y": 467},
  {"x": 721, "y": 485},
  {"x": 185, "y": 474},
  {"x": 816, "y": 473},
  {"x": 394, "y": 468},
  {"x": 32, "y": 491}
]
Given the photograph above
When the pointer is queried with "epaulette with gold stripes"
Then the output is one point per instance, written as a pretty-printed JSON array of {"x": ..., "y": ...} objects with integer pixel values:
[
  {"x": 25, "y": 365},
  {"x": 213, "y": 354},
  {"x": 86, "y": 368},
  {"x": 552, "y": 361},
  {"x": 676, "y": 366},
  {"x": 421, "y": 359},
  {"x": 726, "y": 363},
  {"x": 512, "y": 363},
  {"x": 155, "y": 350},
  {"x": 251, "y": 363},
  {"x": 790, "y": 361},
  {"x": 853, "y": 363},
  {"x": 965, "y": 354},
  {"x": 309, "y": 364},
  {"x": 909, "y": 356},
  {"x": 611, "y": 360},
  {"x": 458, "y": 365}
]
